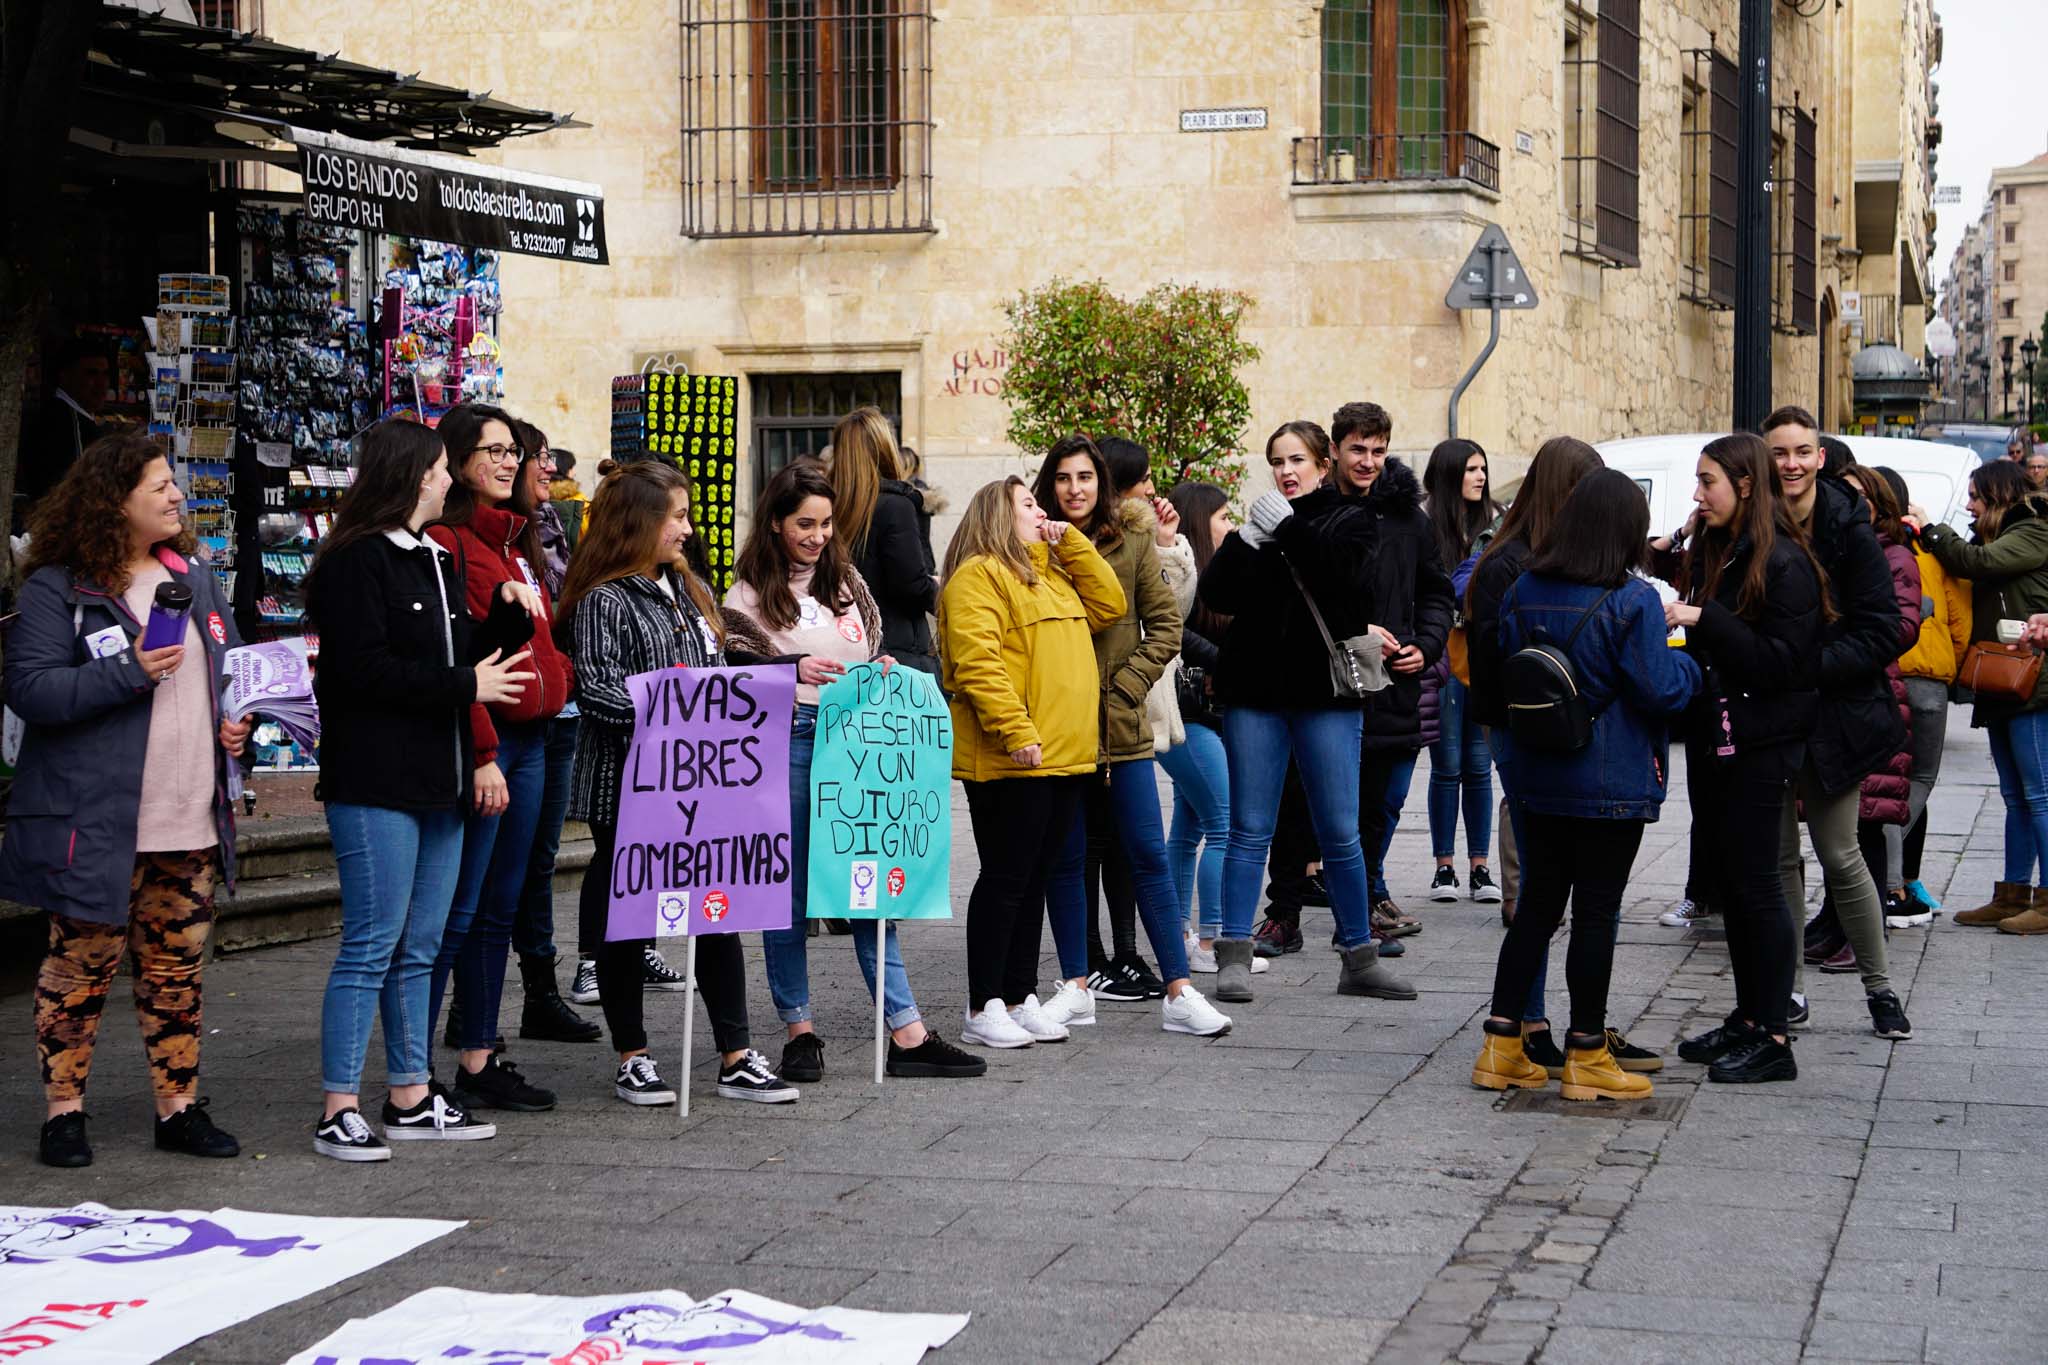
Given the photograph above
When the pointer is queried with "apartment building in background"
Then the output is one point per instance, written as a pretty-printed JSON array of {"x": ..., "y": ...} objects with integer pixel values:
[{"x": 833, "y": 199}]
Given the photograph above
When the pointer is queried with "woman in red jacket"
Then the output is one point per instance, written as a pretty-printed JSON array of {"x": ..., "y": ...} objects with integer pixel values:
[{"x": 487, "y": 526}]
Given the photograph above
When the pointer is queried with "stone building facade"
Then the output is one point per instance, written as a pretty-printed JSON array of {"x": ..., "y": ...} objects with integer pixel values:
[
  {"x": 1996, "y": 292},
  {"x": 747, "y": 149}
]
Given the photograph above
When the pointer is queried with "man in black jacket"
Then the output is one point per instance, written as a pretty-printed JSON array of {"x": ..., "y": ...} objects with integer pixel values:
[{"x": 1859, "y": 726}]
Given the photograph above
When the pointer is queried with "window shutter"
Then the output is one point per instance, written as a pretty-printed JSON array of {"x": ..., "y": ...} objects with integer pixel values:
[
  {"x": 1805, "y": 223},
  {"x": 1616, "y": 106},
  {"x": 1724, "y": 114}
]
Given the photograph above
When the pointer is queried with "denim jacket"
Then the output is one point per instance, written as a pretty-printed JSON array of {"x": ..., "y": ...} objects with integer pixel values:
[{"x": 1636, "y": 683}]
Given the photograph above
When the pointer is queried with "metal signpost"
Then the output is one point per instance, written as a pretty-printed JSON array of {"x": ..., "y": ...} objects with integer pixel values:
[{"x": 1491, "y": 278}]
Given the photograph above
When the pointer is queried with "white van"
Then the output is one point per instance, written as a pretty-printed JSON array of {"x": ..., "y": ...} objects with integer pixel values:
[{"x": 1937, "y": 475}]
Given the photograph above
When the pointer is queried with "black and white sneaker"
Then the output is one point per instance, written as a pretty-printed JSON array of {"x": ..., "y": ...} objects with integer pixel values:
[
  {"x": 1888, "y": 1016},
  {"x": 656, "y": 974},
  {"x": 1444, "y": 885},
  {"x": 1110, "y": 984},
  {"x": 583, "y": 988},
  {"x": 346, "y": 1137},
  {"x": 1483, "y": 889},
  {"x": 437, "y": 1118},
  {"x": 750, "y": 1079},
  {"x": 639, "y": 1083}
]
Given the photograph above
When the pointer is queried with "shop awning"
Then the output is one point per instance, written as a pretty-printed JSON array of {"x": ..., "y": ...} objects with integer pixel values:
[{"x": 150, "y": 58}]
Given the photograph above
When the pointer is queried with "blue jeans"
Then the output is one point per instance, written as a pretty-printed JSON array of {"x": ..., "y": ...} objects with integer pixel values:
[
  {"x": 495, "y": 850},
  {"x": 1201, "y": 820},
  {"x": 1134, "y": 805},
  {"x": 1399, "y": 783},
  {"x": 397, "y": 871},
  {"x": 2019, "y": 752},
  {"x": 786, "y": 952},
  {"x": 533, "y": 926},
  {"x": 1324, "y": 744},
  {"x": 1459, "y": 763}
]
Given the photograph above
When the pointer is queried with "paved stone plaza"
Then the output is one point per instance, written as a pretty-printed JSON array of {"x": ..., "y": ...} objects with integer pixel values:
[{"x": 1321, "y": 1185}]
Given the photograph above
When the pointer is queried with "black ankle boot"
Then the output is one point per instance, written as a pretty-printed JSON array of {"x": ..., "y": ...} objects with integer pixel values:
[
  {"x": 546, "y": 1016},
  {"x": 63, "y": 1141}
]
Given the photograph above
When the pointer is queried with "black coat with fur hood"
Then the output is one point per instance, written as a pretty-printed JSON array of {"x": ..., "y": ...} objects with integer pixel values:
[{"x": 1411, "y": 597}]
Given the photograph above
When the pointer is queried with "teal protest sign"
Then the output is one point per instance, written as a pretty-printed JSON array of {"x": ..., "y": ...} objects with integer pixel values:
[{"x": 881, "y": 798}]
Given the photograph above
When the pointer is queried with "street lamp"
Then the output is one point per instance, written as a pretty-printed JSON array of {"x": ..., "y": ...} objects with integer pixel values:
[
  {"x": 2029, "y": 349},
  {"x": 2005, "y": 406}
]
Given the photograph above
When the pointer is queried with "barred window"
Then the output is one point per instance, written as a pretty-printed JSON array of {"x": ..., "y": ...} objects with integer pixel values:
[
  {"x": 1600, "y": 146},
  {"x": 806, "y": 116},
  {"x": 793, "y": 414},
  {"x": 1706, "y": 219},
  {"x": 1393, "y": 97},
  {"x": 1794, "y": 211}
]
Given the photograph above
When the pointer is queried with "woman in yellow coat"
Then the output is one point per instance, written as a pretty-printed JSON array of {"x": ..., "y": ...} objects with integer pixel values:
[{"x": 1023, "y": 597}]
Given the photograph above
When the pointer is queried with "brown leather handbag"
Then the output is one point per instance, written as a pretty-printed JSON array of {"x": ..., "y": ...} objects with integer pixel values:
[{"x": 2000, "y": 672}]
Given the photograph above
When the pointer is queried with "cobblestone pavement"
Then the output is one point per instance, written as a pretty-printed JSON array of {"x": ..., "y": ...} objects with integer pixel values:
[{"x": 1321, "y": 1185}]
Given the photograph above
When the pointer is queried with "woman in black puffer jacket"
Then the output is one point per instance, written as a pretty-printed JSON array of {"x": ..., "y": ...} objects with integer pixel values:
[{"x": 880, "y": 521}]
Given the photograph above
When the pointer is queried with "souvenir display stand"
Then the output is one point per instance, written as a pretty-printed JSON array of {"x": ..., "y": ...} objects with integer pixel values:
[
  {"x": 690, "y": 420},
  {"x": 192, "y": 406}
]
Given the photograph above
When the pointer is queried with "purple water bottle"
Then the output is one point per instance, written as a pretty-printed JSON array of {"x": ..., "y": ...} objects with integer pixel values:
[{"x": 167, "y": 616}]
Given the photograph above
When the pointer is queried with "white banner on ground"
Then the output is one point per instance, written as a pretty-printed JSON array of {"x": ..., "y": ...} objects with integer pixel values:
[
  {"x": 660, "y": 1327},
  {"x": 90, "y": 1285}
]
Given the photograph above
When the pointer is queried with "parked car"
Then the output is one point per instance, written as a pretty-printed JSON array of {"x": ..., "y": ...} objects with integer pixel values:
[
  {"x": 1988, "y": 440},
  {"x": 1937, "y": 475}
]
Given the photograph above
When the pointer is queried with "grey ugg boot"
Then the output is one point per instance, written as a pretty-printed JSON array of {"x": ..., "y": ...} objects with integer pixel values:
[
  {"x": 1234, "y": 969},
  {"x": 1364, "y": 975}
]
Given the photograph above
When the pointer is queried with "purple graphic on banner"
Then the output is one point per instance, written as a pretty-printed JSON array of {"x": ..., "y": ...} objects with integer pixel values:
[{"x": 703, "y": 845}]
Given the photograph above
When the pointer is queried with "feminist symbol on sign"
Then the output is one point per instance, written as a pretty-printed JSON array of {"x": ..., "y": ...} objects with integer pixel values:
[
  {"x": 716, "y": 905},
  {"x": 674, "y": 908},
  {"x": 895, "y": 881},
  {"x": 863, "y": 886}
]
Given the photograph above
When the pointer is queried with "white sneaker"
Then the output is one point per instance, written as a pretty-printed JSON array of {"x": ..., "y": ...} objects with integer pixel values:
[
  {"x": 1191, "y": 1012},
  {"x": 1203, "y": 960},
  {"x": 1032, "y": 1018},
  {"x": 583, "y": 986},
  {"x": 1685, "y": 915},
  {"x": 1071, "y": 1006},
  {"x": 993, "y": 1027}
]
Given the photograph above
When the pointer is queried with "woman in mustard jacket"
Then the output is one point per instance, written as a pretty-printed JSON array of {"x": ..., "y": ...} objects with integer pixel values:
[{"x": 1023, "y": 596}]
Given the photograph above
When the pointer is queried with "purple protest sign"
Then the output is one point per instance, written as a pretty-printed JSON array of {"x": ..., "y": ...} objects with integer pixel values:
[{"x": 703, "y": 845}]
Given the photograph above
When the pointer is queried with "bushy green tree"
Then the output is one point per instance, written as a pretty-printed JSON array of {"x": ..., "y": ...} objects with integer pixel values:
[{"x": 1161, "y": 370}]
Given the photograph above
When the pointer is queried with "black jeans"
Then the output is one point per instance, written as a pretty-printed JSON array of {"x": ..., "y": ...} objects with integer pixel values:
[
  {"x": 1106, "y": 875},
  {"x": 721, "y": 967},
  {"x": 1740, "y": 803},
  {"x": 1375, "y": 775},
  {"x": 1294, "y": 848},
  {"x": 1020, "y": 824},
  {"x": 1586, "y": 862}
]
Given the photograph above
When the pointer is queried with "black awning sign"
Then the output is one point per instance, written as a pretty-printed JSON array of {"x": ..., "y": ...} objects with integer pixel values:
[{"x": 381, "y": 188}]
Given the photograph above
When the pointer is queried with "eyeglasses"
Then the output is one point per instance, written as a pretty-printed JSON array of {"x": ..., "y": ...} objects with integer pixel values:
[{"x": 498, "y": 454}]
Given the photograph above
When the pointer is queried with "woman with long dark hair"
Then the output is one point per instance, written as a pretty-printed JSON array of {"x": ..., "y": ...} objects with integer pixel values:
[
  {"x": 1199, "y": 769},
  {"x": 119, "y": 824},
  {"x": 2007, "y": 566},
  {"x": 1585, "y": 809},
  {"x": 1461, "y": 505},
  {"x": 1022, "y": 596},
  {"x": 796, "y": 595},
  {"x": 486, "y": 524},
  {"x": 1753, "y": 607},
  {"x": 1130, "y": 654},
  {"x": 883, "y": 527},
  {"x": 1274, "y": 680},
  {"x": 396, "y": 680},
  {"x": 631, "y": 605}
]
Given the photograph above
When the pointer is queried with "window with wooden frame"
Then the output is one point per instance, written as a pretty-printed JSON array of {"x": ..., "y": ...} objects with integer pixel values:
[
  {"x": 1707, "y": 152},
  {"x": 1393, "y": 97},
  {"x": 825, "y": 93},
  {"x": 1795, "y": 298},
  {"x": 1600, "y": 101}
]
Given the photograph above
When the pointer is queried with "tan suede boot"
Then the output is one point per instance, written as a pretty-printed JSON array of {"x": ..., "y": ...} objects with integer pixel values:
[
  {"x": 1591, "y": 1073},
  {"x": 1502, "y": 1064},
  {"x": 2007, "y": 899},
  {"x": 2033, "y": 921}
]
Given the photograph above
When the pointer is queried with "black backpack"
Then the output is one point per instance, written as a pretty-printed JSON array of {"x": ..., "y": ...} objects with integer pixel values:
[{"x": 1547, "y": 710}]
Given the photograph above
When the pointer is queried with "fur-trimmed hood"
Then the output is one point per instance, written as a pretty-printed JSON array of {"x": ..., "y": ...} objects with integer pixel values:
[{"x": 1396, "y": 489}]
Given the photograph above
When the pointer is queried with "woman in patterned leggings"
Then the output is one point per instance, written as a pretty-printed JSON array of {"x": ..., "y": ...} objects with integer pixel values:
[{"x": 119, "y": 824}]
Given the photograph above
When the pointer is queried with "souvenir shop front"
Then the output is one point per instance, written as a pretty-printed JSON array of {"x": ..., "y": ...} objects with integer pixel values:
[{"x": 260, "y": 331}]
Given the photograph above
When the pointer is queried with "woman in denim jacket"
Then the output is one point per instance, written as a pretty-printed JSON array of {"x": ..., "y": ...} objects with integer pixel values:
[{"x": 1586, "y": 808}]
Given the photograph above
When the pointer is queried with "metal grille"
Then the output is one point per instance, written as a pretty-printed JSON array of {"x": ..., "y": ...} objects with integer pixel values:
[
  {"x": 1794, "y": 301},
  {"x": 806, "y": 116},
  {"x": 1706, "y": 219},
  {"x": 793, "y": 414},
  {"x": 1398, "y": 156},
  {"x": 1617, "y": 150}
]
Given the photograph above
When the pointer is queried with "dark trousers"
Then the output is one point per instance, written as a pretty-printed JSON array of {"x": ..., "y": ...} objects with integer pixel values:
[
  {"x": 1376, "y": 774},
  {"x": 1019, "y": 824},
  {"x": 721, "y": 968},
  {"x": 1106, "y": 876},
  {"x": 533, "y": 925},
  {"x": 1741, "y": 803},
  {"x": 1586, "y": 862},
  {"x": 1915, "y": 846},
  {"x": 1294, "y": 848}
]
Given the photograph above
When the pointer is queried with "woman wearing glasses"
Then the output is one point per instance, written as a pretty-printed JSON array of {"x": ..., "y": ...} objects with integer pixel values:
[{"x": 487, "y": 526}]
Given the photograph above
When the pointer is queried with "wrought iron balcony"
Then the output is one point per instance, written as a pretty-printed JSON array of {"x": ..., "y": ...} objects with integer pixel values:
[{"x": 1371, "y": 157}]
